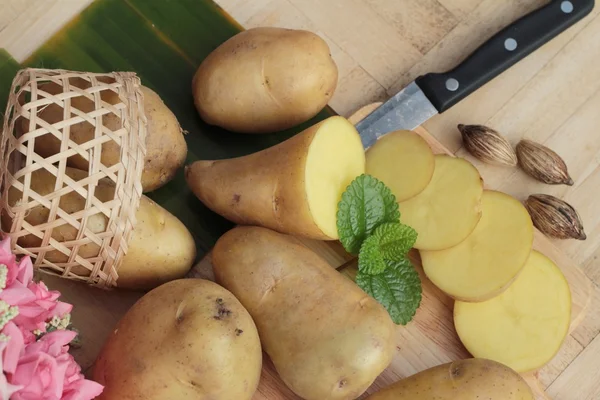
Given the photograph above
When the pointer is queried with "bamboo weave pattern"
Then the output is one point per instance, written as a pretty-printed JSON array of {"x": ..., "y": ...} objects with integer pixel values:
[{"x": 83, "y": 233}]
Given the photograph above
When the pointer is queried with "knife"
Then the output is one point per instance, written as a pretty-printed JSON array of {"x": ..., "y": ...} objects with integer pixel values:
[{"x": 435, "y": 93}]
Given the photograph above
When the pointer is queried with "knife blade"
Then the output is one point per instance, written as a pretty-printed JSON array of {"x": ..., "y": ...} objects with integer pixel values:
[{"x": 435, "y": 93}]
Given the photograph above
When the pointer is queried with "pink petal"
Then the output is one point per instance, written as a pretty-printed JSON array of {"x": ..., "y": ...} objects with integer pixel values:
[
  {"x": 25, "y": 274},
  {"x": 45, "y": 304},
  {"x": 14, "y": 348},
  {"x": 31, "y": 318},
  {"x": 17, "y": 296},
  {"x": 61, "y": 309},
  {"x": 56, "y": 340},
  {"x": 5, "y": 245},
  {"x": 84, "y": 389}
]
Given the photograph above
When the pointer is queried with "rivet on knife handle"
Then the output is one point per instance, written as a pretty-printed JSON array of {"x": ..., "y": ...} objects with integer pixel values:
[{"x": 502, "y": 51}]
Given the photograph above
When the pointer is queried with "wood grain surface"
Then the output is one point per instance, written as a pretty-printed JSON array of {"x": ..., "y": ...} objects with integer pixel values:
[{"x": 380, "y": 45}]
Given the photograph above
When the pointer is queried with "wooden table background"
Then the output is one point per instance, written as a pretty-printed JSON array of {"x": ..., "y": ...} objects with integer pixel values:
[{"x": 552, "y": 97}]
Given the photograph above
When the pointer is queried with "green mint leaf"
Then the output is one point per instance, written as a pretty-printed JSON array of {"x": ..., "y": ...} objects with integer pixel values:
[
  {"x": 370, "y": 258},
  {"x": 365, "y": 204},
  {"x": 395, "y": 240},
  {"x": 398, "y": 289}
]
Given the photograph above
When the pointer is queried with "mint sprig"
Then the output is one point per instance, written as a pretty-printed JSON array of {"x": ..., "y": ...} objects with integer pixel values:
[
  {"x": 365, "y": 204},
  {"x": 398, "y": 289},
  {"x": 368, "y": 222}
]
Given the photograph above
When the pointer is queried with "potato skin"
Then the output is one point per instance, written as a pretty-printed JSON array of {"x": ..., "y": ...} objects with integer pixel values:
[
  {"x": 189, "y": 339},
  {"x": 468, "y": 379},
  {"x": 327, "y": 339},
  {"x": 265, "y": 79},
  {"x": 266, "y": 188},
  {"x": 166, "y": 148},
  {"x": 160, "y": 249}
]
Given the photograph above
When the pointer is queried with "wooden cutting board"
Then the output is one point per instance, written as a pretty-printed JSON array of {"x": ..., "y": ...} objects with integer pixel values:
[{"x": 430, "y": 339}]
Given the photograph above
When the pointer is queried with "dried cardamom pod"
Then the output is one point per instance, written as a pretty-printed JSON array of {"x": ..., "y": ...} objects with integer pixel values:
[
  {"x": 487, "y": 145},
  {"x": 554, "y": 217},
  {"x": 542, "y": 163}
]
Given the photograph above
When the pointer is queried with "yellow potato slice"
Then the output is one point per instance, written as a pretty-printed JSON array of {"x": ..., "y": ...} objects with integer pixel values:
[
  {"x": 403, "y": 161},
  {"x": 334, "y": 158},
  {"x": 488, "y": 260},
  {"x": 523, "y": 327},
  {"x": 448, "y": 210}
]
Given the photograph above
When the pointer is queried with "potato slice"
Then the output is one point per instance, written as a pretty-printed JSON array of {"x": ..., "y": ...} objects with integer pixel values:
[
  {"x": 448, "y": 210},
  {"x": 293, "y": 187},
  {"x": 488, "y": 260},
  {"x": 403, "y": 161},
  {"x": 523, "y": 327}
]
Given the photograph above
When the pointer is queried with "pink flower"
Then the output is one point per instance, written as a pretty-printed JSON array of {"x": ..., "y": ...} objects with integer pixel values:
[
  {"x": 48, "y": 372},
  {"x": 33, "y": 369}
]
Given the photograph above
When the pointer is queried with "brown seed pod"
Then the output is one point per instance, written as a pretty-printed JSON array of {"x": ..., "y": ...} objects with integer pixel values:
[
  {"x": 542, "y": 163},
  {"x": 487, "y": 145},
  {"x": 555, "y": 217}
]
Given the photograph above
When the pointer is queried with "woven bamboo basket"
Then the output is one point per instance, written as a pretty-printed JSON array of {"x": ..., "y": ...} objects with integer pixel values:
[{"x": 79, "y": 233}]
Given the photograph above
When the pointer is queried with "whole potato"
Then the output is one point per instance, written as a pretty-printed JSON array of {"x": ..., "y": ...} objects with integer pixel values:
[
  {"x": 469, "y": 379},
  {"x": 189, "y": 339},
  {"x": 328, "y": 339},
  {"x": 166, "y": 148},
  {"x": 265, "y": 80},
  {"x": 160, "y": 249}
]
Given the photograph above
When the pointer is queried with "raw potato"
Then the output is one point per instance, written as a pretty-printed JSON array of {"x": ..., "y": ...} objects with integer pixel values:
[
  {"x": 327, "y": 339},
  {"x": 488, "y": 260},
  {"x": 189, "y": 339},
  {"x": 265, "y": 80},
  {"x": 469, "y": 379},
  {"x": 449, "y": 208},
  {"x": 403, "y": 161},
  {"x": 161, "y": 248},
  {"x": 293, "y": 187},
  {"x": 166, "y": 148},
  {"x": 523, "y": 327}
]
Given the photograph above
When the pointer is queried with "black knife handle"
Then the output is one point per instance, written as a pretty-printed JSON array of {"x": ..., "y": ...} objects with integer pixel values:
[{"x": 503, "y": 50}]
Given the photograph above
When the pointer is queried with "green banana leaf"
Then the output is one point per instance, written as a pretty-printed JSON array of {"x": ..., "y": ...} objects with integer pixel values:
[{"x": 163, "y": 42}]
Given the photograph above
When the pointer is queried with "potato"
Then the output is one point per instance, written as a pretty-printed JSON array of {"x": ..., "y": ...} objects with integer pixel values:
[
  {"x": 327, "y": 339},
  {"x": 403, "y": 161},
  {"x": 189, "y": 339},
  {"x": 161, "y": 248},
  {"x": 523, "y": 327},
  {"x": 489, "y": 259},
  {"x": 265, "y": 80},
  {"x": 166, "y": 148},
  {"x": 469, "y": 379},
  {"x": 449, "y": 208},
  {"x": 293, "y": 187}
]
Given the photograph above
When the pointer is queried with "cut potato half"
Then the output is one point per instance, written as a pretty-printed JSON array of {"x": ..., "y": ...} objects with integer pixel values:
[
  {"x": 403, "y": 161},
  {"x": 293, "y": 187},
  {"x": 488, "y": 260},
  {"x": 523, "y": 327},
  {"x": 448, "y": 210}
]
